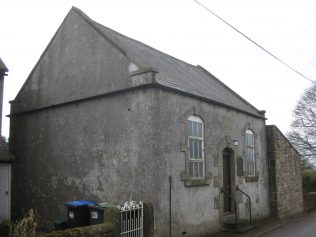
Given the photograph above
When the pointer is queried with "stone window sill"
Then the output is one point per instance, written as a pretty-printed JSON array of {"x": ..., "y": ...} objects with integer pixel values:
[
  {"x": 190, "y": 182},
  {"x": 252, "y": 178}
]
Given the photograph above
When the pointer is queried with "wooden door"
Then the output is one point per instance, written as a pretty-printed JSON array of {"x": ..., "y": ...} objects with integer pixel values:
[{"x": 227, "y": 181}]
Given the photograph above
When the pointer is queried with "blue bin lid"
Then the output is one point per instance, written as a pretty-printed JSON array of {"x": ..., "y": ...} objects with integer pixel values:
[{"x": 79, "y": 203}]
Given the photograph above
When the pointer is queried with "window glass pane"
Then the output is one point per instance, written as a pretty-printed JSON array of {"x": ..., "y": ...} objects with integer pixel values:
[
  {"x": 252, "y": 154},
  {"x": 250, "y": 162},
  {"x": 192, "y": 128},
  {"x": 196, "y": 169},
  {"x": 251, "y": 167},
  {"x": 201, "y": 173},
  {"x": 191, "y": 168},
  {"x": 249, "y": 154},
  {"x": 248, "y": 139},
  {"x": 251, "y": 140},
  {"x": 200, "y": 149},
  {"x": 195, "y": 129},
  {"x": 196, "y": 149},
  {"x": 189, "y": 128},
  {"x": 199, "y": 129},
  {"x": 191, "y": 147}
]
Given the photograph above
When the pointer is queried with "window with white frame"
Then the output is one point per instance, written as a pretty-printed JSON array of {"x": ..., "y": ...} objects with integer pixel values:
[
  {"x": 250, "y": 153},
  {"x": 195, "y": 141}
]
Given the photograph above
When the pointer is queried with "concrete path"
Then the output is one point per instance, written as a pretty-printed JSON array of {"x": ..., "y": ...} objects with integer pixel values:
[
  {"x": 304, "y": 226},
  {"x": 262, "y": 226}
]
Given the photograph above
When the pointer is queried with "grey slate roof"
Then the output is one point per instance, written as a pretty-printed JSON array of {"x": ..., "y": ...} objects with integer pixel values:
[
  {"x": 174, "y": 73},
  {"x": 3, "y": 67}
]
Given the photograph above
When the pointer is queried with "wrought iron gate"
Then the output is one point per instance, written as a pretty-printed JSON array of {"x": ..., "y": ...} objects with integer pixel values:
[{"x": 131, "y": 219}]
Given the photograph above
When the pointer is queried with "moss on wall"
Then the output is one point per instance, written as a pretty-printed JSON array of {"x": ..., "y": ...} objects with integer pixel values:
[
  {"x": 148, "y": 219},
  {"x": 310, "y": 201},
  {"x": 112, "y": 216},
  {"x": 104, "y": 230}
]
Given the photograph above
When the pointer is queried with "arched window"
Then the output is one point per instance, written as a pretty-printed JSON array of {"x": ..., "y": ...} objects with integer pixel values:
[
  {"x": 250, "y": 153},
  {"x": 195, "y": 140}
]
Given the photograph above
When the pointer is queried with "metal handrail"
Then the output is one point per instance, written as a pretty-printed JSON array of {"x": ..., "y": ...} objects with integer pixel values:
[
  {"x": 249, "y": 201},
  {"x": 236, "y": 215}
]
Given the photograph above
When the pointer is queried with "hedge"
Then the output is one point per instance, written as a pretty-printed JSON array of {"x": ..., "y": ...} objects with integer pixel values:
[{"x": 309, "y": 180}]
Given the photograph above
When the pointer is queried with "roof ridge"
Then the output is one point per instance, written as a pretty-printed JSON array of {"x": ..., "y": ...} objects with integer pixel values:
[
  {"x": 127, "y": 37},
  {"x": 185, "y": 76},
  {"x": 91, "y": 23},
  {"x": 81, "y": 14},
  {"x": 200, "y": 68},
  {"x": 227, "y": 87}
]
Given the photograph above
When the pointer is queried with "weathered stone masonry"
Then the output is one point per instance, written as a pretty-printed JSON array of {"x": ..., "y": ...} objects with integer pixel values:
[{"x": 285, "y": 180}]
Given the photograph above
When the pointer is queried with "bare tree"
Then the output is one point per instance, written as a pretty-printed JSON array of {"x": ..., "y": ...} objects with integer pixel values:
[{"x": 303, "y": 132}]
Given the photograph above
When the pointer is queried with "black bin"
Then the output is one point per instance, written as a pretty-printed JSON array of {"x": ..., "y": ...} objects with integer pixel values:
[
  {"x": 78, "y": 213},
  {"x": 60, "y": 225},
  {"x": 96, "y": 213}
]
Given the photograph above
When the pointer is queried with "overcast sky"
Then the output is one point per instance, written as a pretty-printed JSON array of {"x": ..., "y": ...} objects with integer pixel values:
[{"x": 184, "y": 30}]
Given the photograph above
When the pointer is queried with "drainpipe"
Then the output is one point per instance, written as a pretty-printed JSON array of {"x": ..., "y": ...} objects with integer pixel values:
[{"x": 170, "y": 184}]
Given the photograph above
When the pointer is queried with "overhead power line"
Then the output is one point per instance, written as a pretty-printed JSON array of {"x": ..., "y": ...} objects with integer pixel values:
[{"x": 255, "y": 43}]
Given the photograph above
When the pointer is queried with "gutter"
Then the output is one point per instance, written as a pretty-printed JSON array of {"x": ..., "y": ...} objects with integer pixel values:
[
  {"x": 131, "y": 89},
  {"x": 53, "y": 106},
  {"x": 260, "y": 114}
]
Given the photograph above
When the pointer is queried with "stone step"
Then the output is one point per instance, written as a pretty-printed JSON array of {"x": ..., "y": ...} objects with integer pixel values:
[
  {"x": 229, "y": 218},
  {"x": 229, "y": 224},
  {"x": 240, "y": 228}
]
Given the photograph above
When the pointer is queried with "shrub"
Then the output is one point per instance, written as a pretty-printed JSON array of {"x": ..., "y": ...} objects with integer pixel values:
[
  {"x": 6, "y": 228},
  {"x": 26, "y": 227},
  {"x": 309, "y": 180}
]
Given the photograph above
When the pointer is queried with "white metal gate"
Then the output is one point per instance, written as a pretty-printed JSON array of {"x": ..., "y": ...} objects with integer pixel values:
[{"x": 132, "y": 219}]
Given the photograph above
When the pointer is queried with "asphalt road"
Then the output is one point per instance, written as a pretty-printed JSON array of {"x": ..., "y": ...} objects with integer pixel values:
[{"x": 304, "y": 226}]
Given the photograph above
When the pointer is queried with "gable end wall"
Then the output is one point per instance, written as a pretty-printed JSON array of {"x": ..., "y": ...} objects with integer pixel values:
[
  {"x": 78, "y": 63},
  {"x": 285, "y": 179}
]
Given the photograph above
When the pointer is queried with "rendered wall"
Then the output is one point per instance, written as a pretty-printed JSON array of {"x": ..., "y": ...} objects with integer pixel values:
[
  {"x": 199, "y": 209},
  {"x": 126, "y": 146},
  {"x": 99, "y": 150}
]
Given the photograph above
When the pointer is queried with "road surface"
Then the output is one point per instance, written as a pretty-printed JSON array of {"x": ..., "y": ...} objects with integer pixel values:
[{"x": 304, "y": 226}]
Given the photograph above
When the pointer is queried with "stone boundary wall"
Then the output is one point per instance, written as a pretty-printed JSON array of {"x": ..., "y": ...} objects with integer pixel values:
[
  {"x": 285, "y": 179},
  {"x": 310, "y": 201},
  {"x": 101, "y": 230}
]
